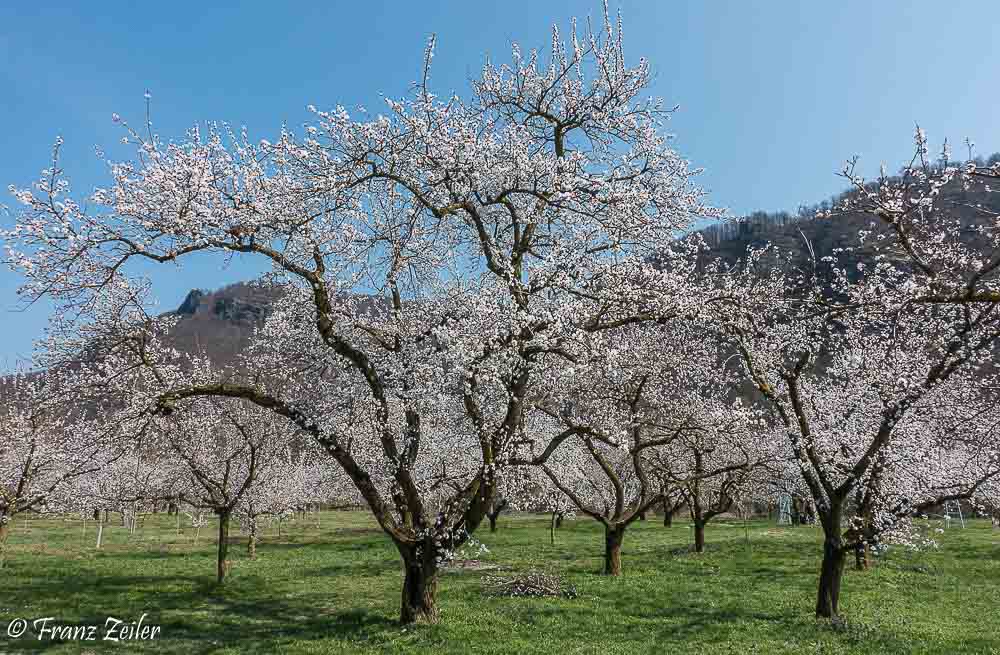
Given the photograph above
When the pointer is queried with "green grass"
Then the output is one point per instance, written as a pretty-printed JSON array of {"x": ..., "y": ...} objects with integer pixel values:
[{"x": 335, "y": 589}]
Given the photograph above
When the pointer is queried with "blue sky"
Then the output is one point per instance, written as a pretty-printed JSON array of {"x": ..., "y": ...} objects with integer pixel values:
[{"x": 773, "y": 95}]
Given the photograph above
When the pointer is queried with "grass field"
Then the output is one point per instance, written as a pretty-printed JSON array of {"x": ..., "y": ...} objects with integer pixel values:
[{"x": 335, "y": 589}]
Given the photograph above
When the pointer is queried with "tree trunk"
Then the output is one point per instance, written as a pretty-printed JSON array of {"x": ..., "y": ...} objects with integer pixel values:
[
  {"x": 100, "y": 533},
  {"x": 494, "y": 511},
  {"x": 420, "y": 574},
  {"x": 223, "y": 563},
  {"x": 831, "y": 574},
  {"x": 642, "y": 516},
  {"x": 613, "y": 549},
  {"x": 252, "y": 542},
  {"x": 668, "y": 514},
  {"x": 699, "y": 536},
  {"x": 552, "y": 529},
  {"x": 5, "y": 522},
  {"x": 559, "y": 519},
  {"x": 861, "y": 560}
]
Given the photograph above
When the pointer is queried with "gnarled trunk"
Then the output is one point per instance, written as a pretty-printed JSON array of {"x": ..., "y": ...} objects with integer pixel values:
[
  {"x": 831, "y": 574},
  {"x": 832, "y": 569},
  {"x": 223, "y": 562},
  {"x": 613, "y": 536},
  {"x": 420, "y": 576},
  {"x": 699, "y": 536},
  {"x": 493, "y": 523}
]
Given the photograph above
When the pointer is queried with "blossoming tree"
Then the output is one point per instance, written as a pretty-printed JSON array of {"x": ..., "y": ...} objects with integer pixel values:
[
  {"x": 633, "y": 415},
  {"x": 861, "y": 370},
  {"x": 227, "y": 448},
  {"x": 467, "y": 218},
  {"x": 49, "y": 438}
]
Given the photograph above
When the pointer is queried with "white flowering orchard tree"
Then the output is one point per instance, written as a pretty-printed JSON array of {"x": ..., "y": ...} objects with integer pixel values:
[
  {"x": 49, "y": 437},
  {"x": 528, "y": 489},
  {"x": 853, "y": 369},
  {"x": 618, "y": 410},
  {"x": 718, "y": 463},
  {"x": 551, "y": 177},
  {"x": 939, "y": 222},
  {"x": 674, "y": 501},
  {"x": 121, "y": 485},
  {"x": 132, "y": 478},
  {"x": 270, "y": 499},
  {"x": 226, "y": 448}
]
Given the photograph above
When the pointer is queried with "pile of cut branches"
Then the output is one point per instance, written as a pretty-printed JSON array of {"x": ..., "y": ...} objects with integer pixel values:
[{"x": 531, "y": 584}]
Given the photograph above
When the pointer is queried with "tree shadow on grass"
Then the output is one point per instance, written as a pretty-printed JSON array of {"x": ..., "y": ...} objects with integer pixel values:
[
  {"x": 194, "y": 614},
  {"x": 371, "y": 568},
  {"x": 686, "y": 619}
]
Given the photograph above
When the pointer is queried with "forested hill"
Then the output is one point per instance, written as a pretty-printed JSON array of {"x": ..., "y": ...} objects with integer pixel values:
[{"x": 797, "y": 233}]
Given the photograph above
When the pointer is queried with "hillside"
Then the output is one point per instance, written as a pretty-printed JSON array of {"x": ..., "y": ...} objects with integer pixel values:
[
  {"x": 220, "y": 323},
  {"x": 796, "y": 233}
]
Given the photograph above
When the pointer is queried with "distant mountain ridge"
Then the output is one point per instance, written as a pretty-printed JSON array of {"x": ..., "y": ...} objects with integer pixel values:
[{"x": 220, "y": 323}]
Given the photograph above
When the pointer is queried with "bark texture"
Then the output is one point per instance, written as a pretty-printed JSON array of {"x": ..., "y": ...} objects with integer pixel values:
[
  {"x": 699, "y": 536},
  {"x": 613, "y": 536},
  {"x": 831, "y": 575},
  {"x": 223, "y": 561},
  {"x": 420, "y": 576}
]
